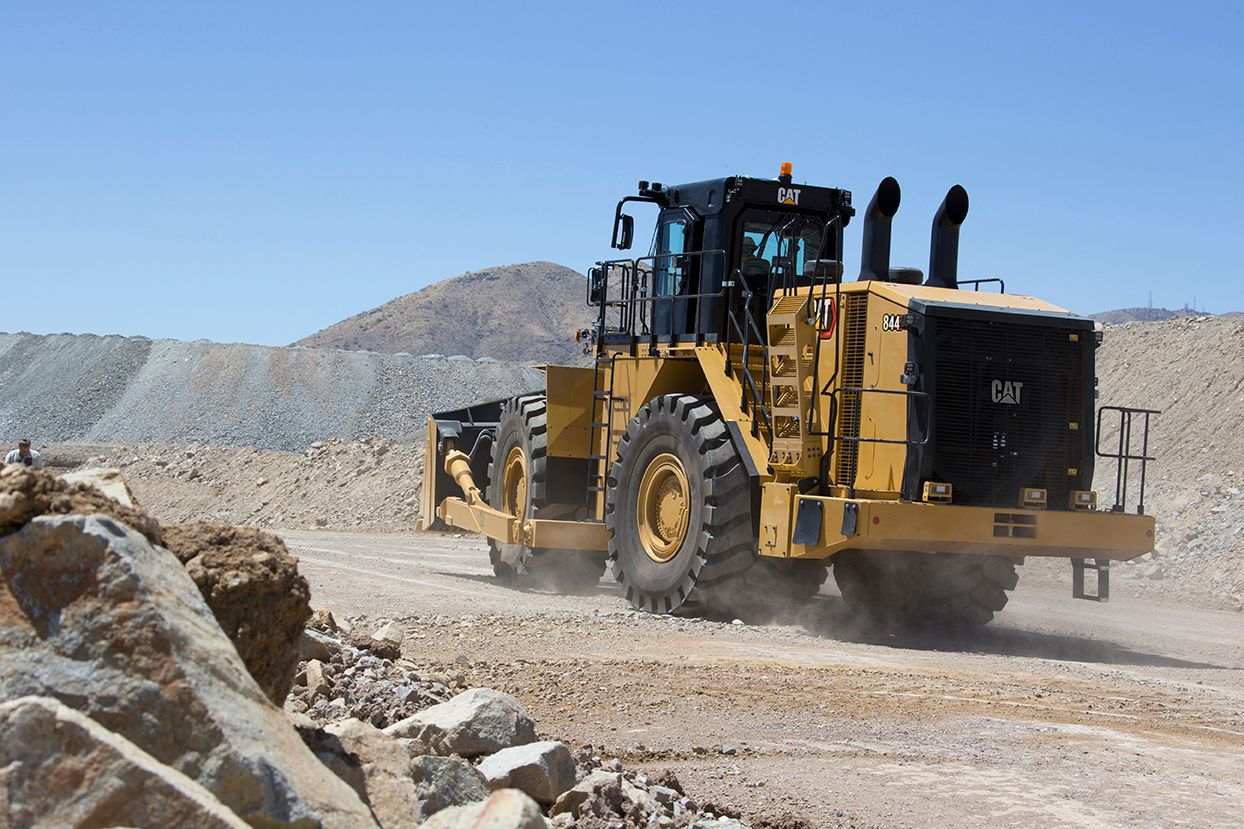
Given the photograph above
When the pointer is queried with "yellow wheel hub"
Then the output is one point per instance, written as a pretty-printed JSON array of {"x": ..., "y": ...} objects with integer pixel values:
[
  {"x": 514, "y": 483},
  {"x": 664, "y": 507}
]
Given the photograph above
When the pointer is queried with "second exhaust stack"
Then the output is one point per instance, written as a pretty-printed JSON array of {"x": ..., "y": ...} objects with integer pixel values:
[{"x": 944, "y": 246}]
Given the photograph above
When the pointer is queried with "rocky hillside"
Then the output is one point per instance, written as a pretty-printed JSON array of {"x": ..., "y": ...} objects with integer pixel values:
[
  {"x": 1190, "y": 369},
  {"x": 67, "y": 387},
  {"x": 524, "y": 313},
  {"x": 1122, "y": 315}
]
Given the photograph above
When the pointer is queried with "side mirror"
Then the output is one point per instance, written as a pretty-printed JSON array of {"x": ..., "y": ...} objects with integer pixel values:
[
  {"x": 623, "y": 231},
  {"x": 595, "y": 286}
]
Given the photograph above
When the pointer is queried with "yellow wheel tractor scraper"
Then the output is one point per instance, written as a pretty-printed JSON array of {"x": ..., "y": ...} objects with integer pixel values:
[{"x": 751, "y": 419}]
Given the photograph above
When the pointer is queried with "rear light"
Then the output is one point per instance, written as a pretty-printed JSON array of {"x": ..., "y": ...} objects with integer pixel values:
[
  {"x": 1083, "y": 499},
  {"x": 1032, "y": 498},
  {"x": 938, "y": 493}
]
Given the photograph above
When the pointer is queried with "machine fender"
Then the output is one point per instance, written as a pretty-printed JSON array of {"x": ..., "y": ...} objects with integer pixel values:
[{"x": 753, "y": 474}]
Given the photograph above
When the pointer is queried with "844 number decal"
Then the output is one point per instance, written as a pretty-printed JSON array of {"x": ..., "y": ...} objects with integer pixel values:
[{"x": 892, "y": 322}]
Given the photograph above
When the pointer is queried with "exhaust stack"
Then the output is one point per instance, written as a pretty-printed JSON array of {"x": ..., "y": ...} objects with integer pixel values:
[
  {"x": 944, "y": 247},
  {"x": 875, "y": 256}
]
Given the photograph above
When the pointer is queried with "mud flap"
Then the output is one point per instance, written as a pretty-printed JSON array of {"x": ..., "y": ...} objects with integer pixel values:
[
  {"x": 850, "y": 518},
  {"x": 808, "y": 523}
]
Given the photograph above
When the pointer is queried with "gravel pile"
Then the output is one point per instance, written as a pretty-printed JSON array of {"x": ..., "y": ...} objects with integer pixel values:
[{"x": 65, "y": 387}]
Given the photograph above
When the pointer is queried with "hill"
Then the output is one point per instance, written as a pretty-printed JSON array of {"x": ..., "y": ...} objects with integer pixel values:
[
  {"x": 522, "y": 313},
  {"x": 1121, "y": 315},
  {"x": 66, "y": 387}
]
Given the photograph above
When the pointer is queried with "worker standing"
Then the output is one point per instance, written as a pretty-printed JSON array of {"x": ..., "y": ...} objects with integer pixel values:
[{"x": 23, "y": 454}]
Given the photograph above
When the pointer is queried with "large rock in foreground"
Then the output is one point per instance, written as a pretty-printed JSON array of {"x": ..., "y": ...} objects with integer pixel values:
[
  {"x": 94, "y": 615},
  {"x": 59, "y": 768},
  {"x": 478, "y": 721},
  {"x": 26, "y": 493},
  {"x": 252, "y": 585}
]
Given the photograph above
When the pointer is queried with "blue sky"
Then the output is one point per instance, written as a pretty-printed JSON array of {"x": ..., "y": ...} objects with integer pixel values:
[{"x": 254, "y": 172}]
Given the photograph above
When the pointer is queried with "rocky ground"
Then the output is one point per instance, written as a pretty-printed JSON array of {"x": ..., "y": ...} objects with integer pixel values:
[
  {"x": 142, "y": 666},
  {"x": 1060, "y": 713}
]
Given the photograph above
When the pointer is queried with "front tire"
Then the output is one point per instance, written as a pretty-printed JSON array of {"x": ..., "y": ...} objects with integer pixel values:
[{"x": 678, "y": 508}]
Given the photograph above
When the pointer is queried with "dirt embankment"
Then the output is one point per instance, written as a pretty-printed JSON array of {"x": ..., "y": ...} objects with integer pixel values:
[
  {"x": 372, "y": 483},
  {"x": 1190, "y": 369}
]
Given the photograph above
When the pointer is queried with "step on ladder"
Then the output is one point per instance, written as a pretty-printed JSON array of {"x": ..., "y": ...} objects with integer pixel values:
[
  {"x": 599, "y": 436},
  {"x": 792, "y": 344}
]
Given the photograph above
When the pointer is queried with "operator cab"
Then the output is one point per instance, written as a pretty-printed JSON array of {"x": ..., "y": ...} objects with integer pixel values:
[{"x": 736, "y": 239}]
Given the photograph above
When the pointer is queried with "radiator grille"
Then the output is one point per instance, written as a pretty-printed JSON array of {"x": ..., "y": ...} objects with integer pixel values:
[
  {"x": 854, "y": 324},
  {"x": 988, "y": 444}
]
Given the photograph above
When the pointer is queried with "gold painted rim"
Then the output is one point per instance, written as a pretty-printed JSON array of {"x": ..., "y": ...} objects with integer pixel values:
[
  {"x": 514, "y": 483},
  {"x": 663, "y": 510}
]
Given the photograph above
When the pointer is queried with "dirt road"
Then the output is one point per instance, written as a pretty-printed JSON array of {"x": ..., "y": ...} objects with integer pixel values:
[{"x": 1060, "y": 713}]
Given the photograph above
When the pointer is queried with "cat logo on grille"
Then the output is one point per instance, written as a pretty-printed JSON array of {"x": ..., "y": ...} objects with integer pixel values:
[{"x": 1006, "y": 391}]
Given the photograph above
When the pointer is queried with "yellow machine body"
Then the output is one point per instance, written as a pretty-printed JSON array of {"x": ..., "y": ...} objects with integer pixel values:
[{"x": 785, "y": 453}]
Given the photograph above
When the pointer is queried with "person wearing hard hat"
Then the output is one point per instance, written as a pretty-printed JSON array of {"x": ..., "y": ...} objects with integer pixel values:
[{"x": 23, "y": 454}]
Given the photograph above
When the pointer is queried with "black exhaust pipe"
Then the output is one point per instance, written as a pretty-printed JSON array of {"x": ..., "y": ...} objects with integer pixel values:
[
  {"x": 875, "y": 256},
  {"x": 944, "y": 247}
]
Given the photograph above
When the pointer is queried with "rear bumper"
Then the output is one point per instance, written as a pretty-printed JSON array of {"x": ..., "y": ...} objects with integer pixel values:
[{"x": 854, "y": 524}]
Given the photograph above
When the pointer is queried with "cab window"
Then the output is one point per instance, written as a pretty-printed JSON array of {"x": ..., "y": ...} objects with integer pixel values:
[{"x": 670, "y": 268}]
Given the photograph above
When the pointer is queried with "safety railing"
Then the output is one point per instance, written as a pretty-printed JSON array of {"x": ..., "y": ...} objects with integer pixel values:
[
  {"x": 634, "y": 306},
  {"x": 979, "y": 282},
  {"x": 1123, "y": 454}
]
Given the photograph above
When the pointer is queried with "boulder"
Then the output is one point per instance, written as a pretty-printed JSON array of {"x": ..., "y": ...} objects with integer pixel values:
[
  {"x": 59, "y": 768},
  {"x": 26, "y": 493},
  {"x": 322, "y": 620},
  {"x": 401, "y": 790},
  {"x": 543, "y": 770},
  {"x": 445, "y": 782},
  {"x": 317, "y": 685},
  {"x": 391, "y": 632},
  {"x": 316, "y": 645},
  {"x": 385, "y": 772},
  {"x": 108, "y": 481},
  {"x": 600, "y": 793},
  {"x": 478, "y": 721},
  {"x": 505, "y": 809},
  {"x": 252, "y": 584},
  {"x": 94, "y": 615}
]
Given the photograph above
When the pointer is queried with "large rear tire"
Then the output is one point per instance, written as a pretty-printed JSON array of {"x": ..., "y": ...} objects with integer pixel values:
[
  {"x": 678, "y": 508},
  {"x": 518, "y": 484},
  {"x": 924, "y": 591}
]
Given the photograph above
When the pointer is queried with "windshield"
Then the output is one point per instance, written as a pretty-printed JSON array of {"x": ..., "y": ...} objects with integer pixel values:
[{"x": 778, "y": 243}]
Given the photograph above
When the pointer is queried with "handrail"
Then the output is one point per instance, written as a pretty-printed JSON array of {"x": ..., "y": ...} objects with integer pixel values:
[
  {"x": 635, "y": 302},
  {"x": 979, "y": 282},
  {"x": 1123, "y": 453},
  {"x": 744, "y": 332}
]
